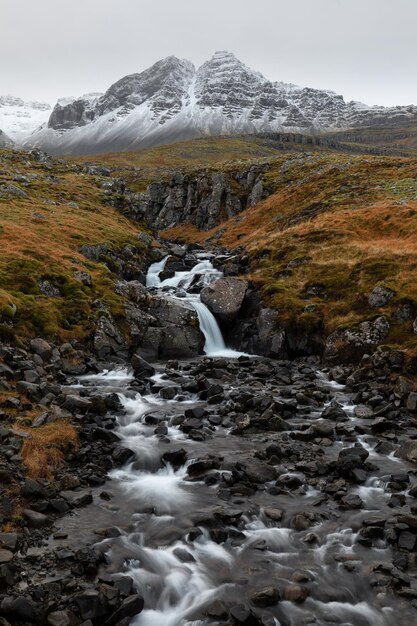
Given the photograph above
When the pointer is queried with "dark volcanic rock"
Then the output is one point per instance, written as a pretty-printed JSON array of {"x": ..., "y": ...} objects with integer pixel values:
[{"x": 224, "y": 297}]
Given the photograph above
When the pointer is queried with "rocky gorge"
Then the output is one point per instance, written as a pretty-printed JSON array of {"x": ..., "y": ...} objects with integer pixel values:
[{"x": 226, "y": 471}]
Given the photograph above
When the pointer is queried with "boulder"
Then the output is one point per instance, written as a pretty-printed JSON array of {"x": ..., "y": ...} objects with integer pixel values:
[
  {"x": 268, "y": 596},
  {"x": 131, "y": 606},
  {"x": 61, "y": 618},
  {"x": 408, "y": 451},
  {"x": 296, "y": 593},
  {"x": 35, "y": 519},
  {"x": 224, "y": 298},
  {"x": 380, "y": 296},
  {"x": 141, "y": 368},
  {"x": 5, "y": 556},
  {"x": 84, "y": 278},
  {"x": 18, "y": 609},
  {"x": 42, "y": 348},
  {"x": 107, "y": 338},
  {"x": 412, "y": 402},
  {"x": 176, "y": 331},
  {"x": 349, "y": 346}
]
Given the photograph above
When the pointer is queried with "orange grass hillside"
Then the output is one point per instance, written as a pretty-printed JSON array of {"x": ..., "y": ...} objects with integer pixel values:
[
  {"x": 48, "y": 210},
  {"x": 140, "y": 168},
  {"x": 335, "y": 227}
]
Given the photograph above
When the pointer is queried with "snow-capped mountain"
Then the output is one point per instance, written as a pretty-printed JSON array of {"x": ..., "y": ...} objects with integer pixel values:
[
  {"x": 5, "y": 141},
  {"x": 172, "y": 100},
  {"x": 19, "y": 119}
]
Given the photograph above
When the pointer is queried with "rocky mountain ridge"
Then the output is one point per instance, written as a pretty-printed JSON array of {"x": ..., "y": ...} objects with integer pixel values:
[{"x": 172, "y": 100}]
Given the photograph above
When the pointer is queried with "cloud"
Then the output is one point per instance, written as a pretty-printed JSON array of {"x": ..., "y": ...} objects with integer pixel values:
[{"x": 365, "y": 50}]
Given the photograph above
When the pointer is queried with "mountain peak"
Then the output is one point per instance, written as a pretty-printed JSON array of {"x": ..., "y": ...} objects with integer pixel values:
[{"x": 171, "y": 101}]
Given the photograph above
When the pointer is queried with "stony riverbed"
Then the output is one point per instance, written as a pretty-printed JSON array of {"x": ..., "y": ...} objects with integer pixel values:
[{"x": 227, "y": 489}]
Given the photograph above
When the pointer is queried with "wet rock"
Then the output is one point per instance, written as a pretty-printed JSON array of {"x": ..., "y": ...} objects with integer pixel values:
[
  {"x": 122, "y": 455},
  {"x": 108, "y": 340},
  {"x": 412, "y": 402},
  {"x": 274, "y": 514},
  {"x": 351, "y": 458},
  {"x": 363, "y": 411},
  {"x": 224, "y": 298},
  {"x": 141, "y": 368},
  {"x": 131, "y": 606},
  {"x": 259, "y": 472},
  {"x": 176, "y": 458},
  {"x": 9, "y": 540},
  {"x": 352, "y": 501},
  {"x": 35, "y": 519},
  {"x": 407, "y": 540},
  {"x": 19, "y": 609},
  {"x": 74, "y": 403},
  {"x": 7, "y": 577},
  {"x": 243, "y": 616},
  {"x": 61, "y": 618},
  {"x": 302, "y": 521},
  {"x": 77, "y": 498},
  {"x": 268, "y": 596},
  {"x": 42, "y": 348},
  {"x": 5, "y": 556},
  {"x": 89, "y": 606},
  {"x": 408, "y": 451},
  {"x": 169, "y": 393},
  {"x": 295, "y": 593},
  {"x": 176, "y": 333},
  {"x": 32, "y": 489}
]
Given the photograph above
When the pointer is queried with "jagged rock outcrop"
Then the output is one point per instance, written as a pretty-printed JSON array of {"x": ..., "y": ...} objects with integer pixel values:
[
  {"x": 349, "y": 346},
  {"x": 173, "y": 330},
  {"x": 204, "y": 199},
  {"x": 172, "y": 100},
  {"x": 160, "y": 327}
]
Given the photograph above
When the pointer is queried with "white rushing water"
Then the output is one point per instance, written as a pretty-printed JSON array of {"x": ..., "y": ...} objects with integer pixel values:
[
  {"x": 204, "y": 273},
  {"x": 180, "y": 573}
]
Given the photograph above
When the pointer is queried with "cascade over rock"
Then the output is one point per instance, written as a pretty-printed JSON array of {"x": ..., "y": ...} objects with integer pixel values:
[{"x": 224, "y": 297}]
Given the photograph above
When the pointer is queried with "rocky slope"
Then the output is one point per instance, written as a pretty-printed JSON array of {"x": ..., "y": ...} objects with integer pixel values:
[
  {"x": 309, "y": 450},
  {"x": 255, "y": 461},
  {"x": 172, "y": 101}
]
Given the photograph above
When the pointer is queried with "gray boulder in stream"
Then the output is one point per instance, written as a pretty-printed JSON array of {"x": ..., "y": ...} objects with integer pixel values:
[
  {"x": 175, "y": 332},
  {"x": 224, "y": 298}
]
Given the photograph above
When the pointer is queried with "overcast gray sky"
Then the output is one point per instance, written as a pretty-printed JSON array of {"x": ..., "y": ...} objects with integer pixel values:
[{"x": 363, "y": 49}]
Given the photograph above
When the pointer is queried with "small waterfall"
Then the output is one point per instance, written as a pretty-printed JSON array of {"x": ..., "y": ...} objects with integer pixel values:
[
  {"x": 152, "y": 277},
  {"x": 204, "y": 270},
  {"x": 210, "y": 329}
]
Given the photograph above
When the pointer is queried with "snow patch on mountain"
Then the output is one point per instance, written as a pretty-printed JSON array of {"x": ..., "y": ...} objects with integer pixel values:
[
  {"x": 172, "y": 101},
  {"x": 19, "y": 119}
]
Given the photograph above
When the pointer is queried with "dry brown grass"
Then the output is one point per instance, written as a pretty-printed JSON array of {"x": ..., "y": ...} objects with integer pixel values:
[
  {"x": 355, "y": 217},
  {"x": 41, "y": 236},
  {"x": 141, "y": 168},
  {"x": 45, "y": 448}
]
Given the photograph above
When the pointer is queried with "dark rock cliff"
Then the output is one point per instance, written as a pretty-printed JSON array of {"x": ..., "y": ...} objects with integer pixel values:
[{"x": 203, "y": 199}]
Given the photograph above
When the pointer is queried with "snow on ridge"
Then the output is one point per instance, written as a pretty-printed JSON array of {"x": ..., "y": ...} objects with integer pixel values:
[
  {"x": 173, "y": 100},
  {"x": 18, "y": 119}
]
